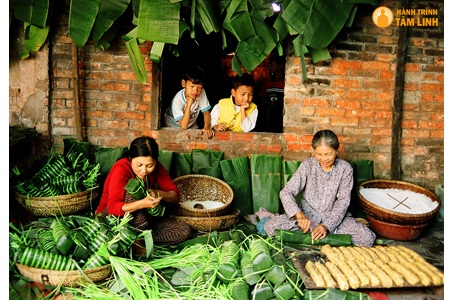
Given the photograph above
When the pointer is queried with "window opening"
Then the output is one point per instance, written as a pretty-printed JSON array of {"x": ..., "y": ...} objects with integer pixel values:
[{"x": 205, "y": 51}]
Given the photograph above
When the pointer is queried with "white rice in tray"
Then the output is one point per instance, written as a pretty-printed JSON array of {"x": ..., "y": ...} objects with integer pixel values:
[
  {"x": 400, "y": 201},
  {"x": 207, "y": 204}
]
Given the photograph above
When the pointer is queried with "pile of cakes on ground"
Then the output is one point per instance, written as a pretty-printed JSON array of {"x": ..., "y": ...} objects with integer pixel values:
[{"x": 374, "y": 267}]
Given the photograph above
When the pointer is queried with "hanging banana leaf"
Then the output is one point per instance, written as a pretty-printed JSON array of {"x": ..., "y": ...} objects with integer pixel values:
[
  {"x": 34, "y": 38},
  {"x": 319, "y": 54},
  {"x": 33, "y": 12},
  {"x": 250, "y": 53},
  {"x": 82, "y": 14},
  {"x": 267, "y": 34},
  {"x": 207, "y": 16},
  {"x": 239, "y": 23},
  {"x": 281, "y": 28},
  {"x": 156, "y": 52},
  {"x": 108, "y": 36},
  {"x": 109, "y": 12},
  {"x": 137, "y": 60},
  {"x": 158, "y": 21},
  {"x": 317, "y": 21}
]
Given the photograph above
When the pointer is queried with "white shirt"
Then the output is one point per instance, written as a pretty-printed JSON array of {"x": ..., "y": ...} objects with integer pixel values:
[
  {"x": 247, "y": 125},
  {"x": 175, "y": 111}
]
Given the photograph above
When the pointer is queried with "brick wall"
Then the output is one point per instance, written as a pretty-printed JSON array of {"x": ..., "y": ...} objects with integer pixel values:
[{"x": 351, "y": 94}]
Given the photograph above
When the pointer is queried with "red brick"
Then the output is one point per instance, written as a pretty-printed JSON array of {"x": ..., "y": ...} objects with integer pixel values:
[
  {"x": 360, "y": 94},
  {"x": 432, "y": 87},
  {"x": 346, "y": 64},
  {"x": 113, "y": 124},
  {"x": 345, "y": 83},
  {"x": 376, "y": 105},
  {"x": 316, "y": 102},
  {"x": 113, "y": 86},
  {"x": 431, "y": 125},
  {"x": 346, "y": 121},
  {"x": 362, "y": 113},
  {"x": 243, "y": 137},
  {"x": 372, "y": 65},
  {"x": 222, "y": 136},
  {"x": 379, "y": 131},
  {"x": 129, "y": 115},
  {"x": 322, "y": 111},
  {"x": 196, "y": 145},
  {"x": 415, "y": 133}
]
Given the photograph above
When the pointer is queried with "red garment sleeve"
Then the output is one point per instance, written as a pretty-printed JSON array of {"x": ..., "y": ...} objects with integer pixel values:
[{"x": 113, "y": 194}]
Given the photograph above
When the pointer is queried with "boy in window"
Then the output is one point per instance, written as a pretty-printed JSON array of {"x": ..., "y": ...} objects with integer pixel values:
[
  {"x": 236, "y": 113},
  {"x": 188, "y": 102}
]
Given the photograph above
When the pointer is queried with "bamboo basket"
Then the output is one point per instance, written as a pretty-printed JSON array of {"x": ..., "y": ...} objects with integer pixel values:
[
  {"x": 207, "y": 224},
  {"x": 391, "y": 216},
  {"x": 199, "y": 188},
  {"x": 64, "y": 278},
  {"x": 57, "y": 205}
]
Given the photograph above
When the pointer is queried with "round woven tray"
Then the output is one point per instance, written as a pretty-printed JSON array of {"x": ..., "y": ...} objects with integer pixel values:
[
  {"x": 199, "y": 188},
  {"x": 57, "y": 205},
  {"x": 64, "y": 278},
  {"x": 208, "y": 224},
  {"x": 391, "y": 216}
]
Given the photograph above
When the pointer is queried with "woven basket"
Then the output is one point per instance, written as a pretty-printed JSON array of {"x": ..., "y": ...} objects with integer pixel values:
[
  {"x": 208, "y": 224},
  {"x": 64, "y": 278},
  {"x": 391, "y": 216},
  {"x": 199, "y": 188},
  {"x": 57, "y": 205}
]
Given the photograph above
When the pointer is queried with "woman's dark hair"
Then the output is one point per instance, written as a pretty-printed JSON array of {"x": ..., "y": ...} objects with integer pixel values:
[
  {"x": 246, "y": 80},
  {"x": 325, "y": 137},
  {"x": 143, "y": 146},
  {"x": 195, "y": 74}
]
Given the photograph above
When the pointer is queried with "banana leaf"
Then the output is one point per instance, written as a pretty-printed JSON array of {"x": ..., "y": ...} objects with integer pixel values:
[
  {"x": 207, "y": 16},
  {"x": 298, "y": 237},
  {"x": 266, "y": 181},
  {"x": 32, "y": 12},
  {"x": 363, "y": 170},
  {"x": 236, "y": 173},
  {"x": 166, "y": 159},
  {"x": 34, "y": 38},
  {"x": 109, "y": 12},
  {"x": 288, "y": 169},
  {"x": 182, "y": 164},
  {"x": 333, "y": 294},
  {"x": 156, "y": 52},
  {"x": 158, "y": 21},
  {"x": 136, "y": 59},
  {"x": 106, "y": 157},
  {"x": 207, "y": 162},
  {"x": 82, "y": 14},
  {"x": 71, "y": 144}
]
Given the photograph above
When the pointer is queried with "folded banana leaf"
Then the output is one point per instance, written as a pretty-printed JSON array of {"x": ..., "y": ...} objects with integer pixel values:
[
  {"x": 236, "y": 173},
  {"x": 182, "y": 164},
  {"x": 106, "y": 157},
  {"x": 166, "y": 159},
  {"x": 266, "y": 181},
  {"x": 288, "y": 169},
  {"x": 207, "y": 162},
  {"x": 298, "y": 237}
]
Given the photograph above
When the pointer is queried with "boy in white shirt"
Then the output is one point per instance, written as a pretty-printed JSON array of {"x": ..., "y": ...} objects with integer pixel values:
[
  {"x": 188, "y": 102},
  {"x": 236, "y": 113}
]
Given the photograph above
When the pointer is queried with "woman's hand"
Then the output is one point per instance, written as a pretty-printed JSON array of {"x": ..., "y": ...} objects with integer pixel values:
[
  {"x": 152, "y": 200},
  {"x": 304, "y": 224},
  {"x": 319, "y": 232}
]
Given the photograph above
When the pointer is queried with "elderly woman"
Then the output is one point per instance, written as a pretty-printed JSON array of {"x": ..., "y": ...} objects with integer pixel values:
[{"x": 325, "y": 183}]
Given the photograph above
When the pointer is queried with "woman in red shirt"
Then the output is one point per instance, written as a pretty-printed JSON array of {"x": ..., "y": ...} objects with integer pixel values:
[{"x": 141, "y": 160}]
